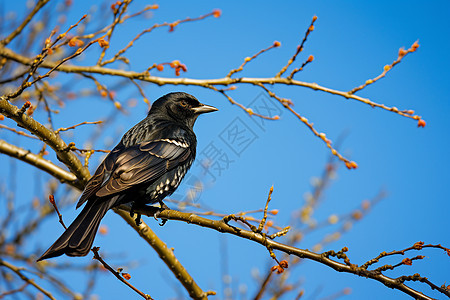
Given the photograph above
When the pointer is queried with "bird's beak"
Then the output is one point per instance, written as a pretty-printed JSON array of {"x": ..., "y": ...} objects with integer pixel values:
[{"x": 204, "y": 109}]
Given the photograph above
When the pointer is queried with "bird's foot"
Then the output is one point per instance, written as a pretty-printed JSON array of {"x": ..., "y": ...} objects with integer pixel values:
[
  {"x": 138, "y": 219},
  {"x": 156, "y": 215},
  {"x": 149, "y": 210},
  {"x": 164, "y": 207},
  {"x": 132, "y": 213},
  {"x": 163, "y": 222}
]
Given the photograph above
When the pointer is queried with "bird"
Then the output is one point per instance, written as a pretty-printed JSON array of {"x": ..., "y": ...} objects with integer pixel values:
[{"x": 146, "y": 166}]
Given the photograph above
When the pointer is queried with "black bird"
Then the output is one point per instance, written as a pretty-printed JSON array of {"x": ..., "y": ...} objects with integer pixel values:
[{"x": 146, "y": 166}]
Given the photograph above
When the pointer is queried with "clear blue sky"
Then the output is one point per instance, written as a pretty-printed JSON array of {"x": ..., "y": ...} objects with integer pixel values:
[{"x": 351, "y": 43}]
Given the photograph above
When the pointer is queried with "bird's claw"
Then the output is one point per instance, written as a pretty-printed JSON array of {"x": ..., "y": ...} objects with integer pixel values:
[
  {"x": 132, "y": 213},
  {"x": 158, "y": 211},
  {"x": 138, "y": 219},
  {"x": 156, "y": 215}
]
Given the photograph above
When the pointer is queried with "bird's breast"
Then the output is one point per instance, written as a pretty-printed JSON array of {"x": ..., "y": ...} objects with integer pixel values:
[{"x": 168, "y": 183}]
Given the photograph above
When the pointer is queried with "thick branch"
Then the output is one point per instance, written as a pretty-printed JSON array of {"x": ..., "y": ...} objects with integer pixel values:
[
  {"x": 48, "y": 137},
  {"x": 223, "y": 227},
  {"x": 166, "y": 255},
  {"x": 39, "y": 162}
]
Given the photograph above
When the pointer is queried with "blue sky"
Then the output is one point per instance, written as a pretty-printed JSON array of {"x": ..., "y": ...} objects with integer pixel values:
[{"x": 351, "y": 43}]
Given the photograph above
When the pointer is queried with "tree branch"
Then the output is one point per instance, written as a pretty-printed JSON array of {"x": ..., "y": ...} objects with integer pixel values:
[
  {"x": 143, "y": 76},
  {"x": 48, "y": 137},
  {"x": 25, "y": 22},
  {"x": 166, "y": 255},
  {"x": 39, "y": 162},
  {"x": 223, "y": 227},
  {"x": 117, "y": 274},
  {"x": 18, "y": 271}
]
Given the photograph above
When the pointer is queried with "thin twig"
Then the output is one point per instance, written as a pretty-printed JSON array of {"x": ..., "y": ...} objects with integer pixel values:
[
  {"x": 18, "y": 132},
  {"x": 75, "y": 126},
  {"x": 51, "y": 198},
  {"x": 165, "y": 24},
  {"x": 14, "y": 78},
  {"x": 246, "y": 109},
  {"x": 248, "y": 59},
  {"x": 295, "y": 71},
  {"x": 117, "y": 274},
  {"x": 401, "y": 54},
  {"x": 416, "y": 246},
  {"x": 11, "y": 292},
  {"x": 118, "y": 12},
  {"x": 349, "y": 164},
  {"x": 18, "y": 271},
  {"x": 39, "y": 59},
  {"x": 299, "y": 48},
  {"x": 263, "y": 220},
  {"x": 37, "y": 7},
  {"x": 141, "y": 91},
  {"x": 264, "y": 285},
  {"x": 145, "y": 9}
]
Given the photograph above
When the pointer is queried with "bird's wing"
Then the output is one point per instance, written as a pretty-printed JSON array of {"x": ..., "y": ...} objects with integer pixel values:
[{"x": 134, "y": 165}]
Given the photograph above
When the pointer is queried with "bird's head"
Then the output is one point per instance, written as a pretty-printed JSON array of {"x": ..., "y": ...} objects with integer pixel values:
[{"x": 180, "y": 107}]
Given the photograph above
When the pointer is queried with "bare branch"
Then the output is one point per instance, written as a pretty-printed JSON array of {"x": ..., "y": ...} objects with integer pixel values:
[
  {"x": 11, "y": 292},
  {"x": 19, "y": 132},
  {"x": 75, "y": 126},
  {"x": 401, "y": 54},
  {"x": 172, "y": 25},
  {"x": 18, "y": 271},
  {"x": 25, "y": 22},
  {"x": 225, "y": 81},
  {"x": 166, "y": 255},
  {"x": 248, "y": 59},
  {"x": 39, "y": 162},
  {"x": 323, "y": 258},
  {"x": 117, "y": 274},
  {"x": 118, "y": 12},
  {"x": 51, "y": 198},
  {"x": 299, "y": 49},
  {"x": 48, "y": 136},
  {"x": 263, "y": 220}
]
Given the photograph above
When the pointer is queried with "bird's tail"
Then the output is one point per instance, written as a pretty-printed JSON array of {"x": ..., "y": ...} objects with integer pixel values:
[{"x": 78, "y": 238}]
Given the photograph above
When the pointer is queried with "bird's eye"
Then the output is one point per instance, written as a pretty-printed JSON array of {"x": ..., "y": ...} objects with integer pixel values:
[{"x": 184, "y": 103}]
